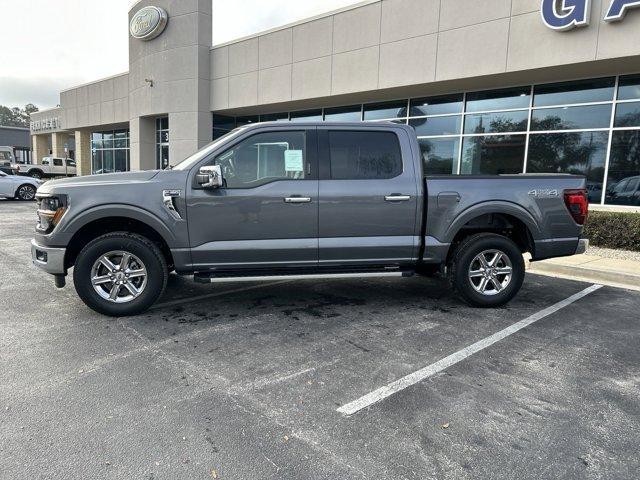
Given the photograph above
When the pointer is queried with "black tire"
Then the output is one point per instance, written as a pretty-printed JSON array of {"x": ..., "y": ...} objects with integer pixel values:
[
  {"x": 36, "y": 174},
  {"x": 467, "y": 253},
  {"x": 142, "y": 248},
  {"x": 26, "y": 192}
]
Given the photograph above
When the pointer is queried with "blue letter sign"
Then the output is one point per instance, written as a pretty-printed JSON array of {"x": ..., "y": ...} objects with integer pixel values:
[
  {"x": 618, "y": 9},
  {"x": 573, "y": 13}
]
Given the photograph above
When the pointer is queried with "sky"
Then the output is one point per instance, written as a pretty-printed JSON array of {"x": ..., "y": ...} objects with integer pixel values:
[{"x": 50, "y": 45}]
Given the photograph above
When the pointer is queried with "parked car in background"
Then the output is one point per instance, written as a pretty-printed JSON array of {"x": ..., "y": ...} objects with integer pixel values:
[
  {"x": 9, "y": 170},
  {"x": 7, "y": 159},
  {"x": 270, "y": 200},
  {"x": 625, "y": 192},
  {"x": 18, "y": 187},
  {"x": 51, "y": 167}
]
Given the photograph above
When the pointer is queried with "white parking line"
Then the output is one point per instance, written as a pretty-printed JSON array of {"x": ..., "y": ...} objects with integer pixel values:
[{"x": 413, "y": 378}]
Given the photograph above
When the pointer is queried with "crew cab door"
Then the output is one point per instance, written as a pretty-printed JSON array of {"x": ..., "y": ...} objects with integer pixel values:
[
  {"x": 266, "y": 213},
  {"x": 368, "y": 197},
  {"x": 58, "y": 167}
]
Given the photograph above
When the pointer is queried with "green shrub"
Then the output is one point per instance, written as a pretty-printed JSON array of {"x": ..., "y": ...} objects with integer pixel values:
[{"x": 614, "y": 230}]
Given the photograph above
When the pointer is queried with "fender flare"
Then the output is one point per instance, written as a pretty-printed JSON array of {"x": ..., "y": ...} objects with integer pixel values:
[
  {"x": 503, "y": 207},
  {"x": 121, "y": 211}
]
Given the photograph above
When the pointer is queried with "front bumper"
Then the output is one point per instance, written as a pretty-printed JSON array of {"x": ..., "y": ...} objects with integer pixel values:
[
  {"x": 51, "y": 260},
  {"x": 583, "y": 244}
]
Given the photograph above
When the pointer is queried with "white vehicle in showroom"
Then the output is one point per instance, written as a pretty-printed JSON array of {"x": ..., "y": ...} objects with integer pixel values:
[
  {"x": 51, "y": 167},
  {"x": 15, "y": 186}
]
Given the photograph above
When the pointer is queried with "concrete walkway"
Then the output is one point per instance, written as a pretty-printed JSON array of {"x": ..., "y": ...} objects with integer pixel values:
[{"x": 591, "y": 268}]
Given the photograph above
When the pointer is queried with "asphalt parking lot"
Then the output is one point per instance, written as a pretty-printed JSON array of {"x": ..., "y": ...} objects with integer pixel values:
[{"x": 244, "y": 381}]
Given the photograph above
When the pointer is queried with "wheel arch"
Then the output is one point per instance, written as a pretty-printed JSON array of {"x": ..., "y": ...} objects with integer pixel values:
[
  {"x": 503, "y": 218},
  {"x": 100, "y": 221}
]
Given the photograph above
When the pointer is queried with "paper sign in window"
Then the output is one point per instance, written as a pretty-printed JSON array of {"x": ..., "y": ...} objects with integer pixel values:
[{"x": 293, "y": 161}]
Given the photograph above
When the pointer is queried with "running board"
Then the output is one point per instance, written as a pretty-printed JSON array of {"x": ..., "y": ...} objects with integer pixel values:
[{"x": 207, "y": 278}]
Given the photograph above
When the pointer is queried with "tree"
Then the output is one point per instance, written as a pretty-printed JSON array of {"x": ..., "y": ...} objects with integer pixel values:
[{"x": 16, "y": 116}]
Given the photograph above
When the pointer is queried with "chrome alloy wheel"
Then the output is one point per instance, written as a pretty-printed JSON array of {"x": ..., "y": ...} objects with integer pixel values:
[
  {"x": 26, "y": 192},
  {"x": 119, "y": 276},
  {"x": 490, "y": 272}
]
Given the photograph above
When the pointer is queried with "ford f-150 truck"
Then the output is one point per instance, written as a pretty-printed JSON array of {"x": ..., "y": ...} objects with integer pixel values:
[{"x": 302, "y": 200}]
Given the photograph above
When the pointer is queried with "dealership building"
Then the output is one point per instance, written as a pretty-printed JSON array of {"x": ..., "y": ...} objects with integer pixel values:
[{"x": 490, "y": 86}]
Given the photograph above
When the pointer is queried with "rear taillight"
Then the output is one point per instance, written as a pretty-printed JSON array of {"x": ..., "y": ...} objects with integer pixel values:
[{"x": 577, "y": 202}]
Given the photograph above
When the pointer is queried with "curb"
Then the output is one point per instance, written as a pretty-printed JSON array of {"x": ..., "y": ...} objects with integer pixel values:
[{"x": 573, "y": 272}]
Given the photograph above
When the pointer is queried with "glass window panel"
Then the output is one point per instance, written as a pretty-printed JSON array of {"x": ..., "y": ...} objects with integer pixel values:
[
  {"x": 439, "y": 155},
  {"x": 498, "y": 99},
  {"x": 263, "y": 158},
  {"x": 224, "y": 122},
  {"x": 571, "y": 118},
  {"x": 628, "y": 114},
  {"x": 241, "y": 121},
  {"x": 96, "y": 162},
  {"x": 307, "y": 116},
  {"x": 164, "y": 123},
  {"x": 121, "y": 134},
  {"x": 107, "y": 161},
  {"x": 107, "y": 135},
  {"x": 624, "y": 169},
  {"x": 217, "y": 133},
  {"x": 496, "y": 122},
  {"x": 107, "y": 144},
  {"x": 379, "y": 111},
  {"x": 437, "y": 125},
  {"x": 583, "y": 91},
  {"x": 629, "y": 87},
  {"x": 343, "y": 114},
  {"x": 96, "y": 144},
  {"x": 358, "y": 155},
  {"x": 120, "y": 160},
  {"x": 581, "y": 153},
  {"x": 274, "y": 117},
  {"x": 493, "y": 155},
  {"x": 440, "y": 105},
  {"x": 96, "y": 136},
  {"x": 120, "y": 143}
]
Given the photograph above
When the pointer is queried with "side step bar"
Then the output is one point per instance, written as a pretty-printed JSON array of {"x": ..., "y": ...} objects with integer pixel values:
[{"x": 208, "y": 278}]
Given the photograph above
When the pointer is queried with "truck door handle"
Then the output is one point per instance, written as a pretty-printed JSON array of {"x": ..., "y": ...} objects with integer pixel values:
[
  {"x": 297, "y": 200},
  {"x": 397, "y": 198}
]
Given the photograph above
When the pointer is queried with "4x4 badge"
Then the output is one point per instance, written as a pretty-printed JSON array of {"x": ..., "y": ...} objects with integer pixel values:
[{"x": 543, "y": 193}]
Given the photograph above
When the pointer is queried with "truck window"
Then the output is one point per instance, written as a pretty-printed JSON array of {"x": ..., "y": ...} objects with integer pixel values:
[
  {"x": 264, "y": 158},
  {"x": 57, "y": 162},
  {"x": 45, "y": 161},
  {"x": 71, "y": 163},
  {"x": 359, "y": 155}
]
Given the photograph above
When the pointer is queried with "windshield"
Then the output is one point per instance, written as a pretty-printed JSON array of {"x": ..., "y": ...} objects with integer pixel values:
[
  {"x": 2, "y": 174},
  {"x": 189, "y": 162}
]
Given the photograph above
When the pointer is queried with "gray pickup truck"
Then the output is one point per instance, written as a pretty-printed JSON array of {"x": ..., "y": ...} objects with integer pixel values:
[{"x": 302, "y": 200}]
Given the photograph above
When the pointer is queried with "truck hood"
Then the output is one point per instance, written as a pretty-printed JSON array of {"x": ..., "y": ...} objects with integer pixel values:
[{"x": 124, "y": 178}]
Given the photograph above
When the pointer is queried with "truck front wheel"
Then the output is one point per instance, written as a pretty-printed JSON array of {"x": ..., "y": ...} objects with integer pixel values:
[
  {"x": 487, "y": 270},
  {"x": 120, "y": 274}
]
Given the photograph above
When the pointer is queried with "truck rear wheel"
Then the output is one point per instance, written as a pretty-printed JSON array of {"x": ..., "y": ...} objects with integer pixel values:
[
  {"x": 487, "y": 270},
  {"x": 35, "y": 173},
  {"x": 120, "y": 274}
]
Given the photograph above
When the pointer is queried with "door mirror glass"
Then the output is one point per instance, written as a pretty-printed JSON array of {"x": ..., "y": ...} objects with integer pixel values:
[{"x": 210, "y": 177}]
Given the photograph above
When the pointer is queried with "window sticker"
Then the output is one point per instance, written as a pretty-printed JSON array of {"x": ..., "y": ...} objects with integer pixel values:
[{"x": 293, "y": 161}]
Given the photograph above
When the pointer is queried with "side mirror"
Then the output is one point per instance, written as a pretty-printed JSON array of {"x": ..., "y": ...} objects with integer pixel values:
[{"x": 210, "y": 177}]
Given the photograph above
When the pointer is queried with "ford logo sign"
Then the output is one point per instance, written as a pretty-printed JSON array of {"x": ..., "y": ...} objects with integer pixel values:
[{"x": 148, "y": 22}]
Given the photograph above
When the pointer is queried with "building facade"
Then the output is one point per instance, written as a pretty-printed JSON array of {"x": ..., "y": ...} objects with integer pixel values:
[{"x": 490, "y": 86}]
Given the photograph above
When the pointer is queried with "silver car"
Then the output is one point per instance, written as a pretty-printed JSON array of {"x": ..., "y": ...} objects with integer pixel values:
[{"x": 15, "y": 186}]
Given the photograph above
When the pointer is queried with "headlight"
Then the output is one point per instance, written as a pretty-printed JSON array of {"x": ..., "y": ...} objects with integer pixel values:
[{"x": 50, "y": 211}]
